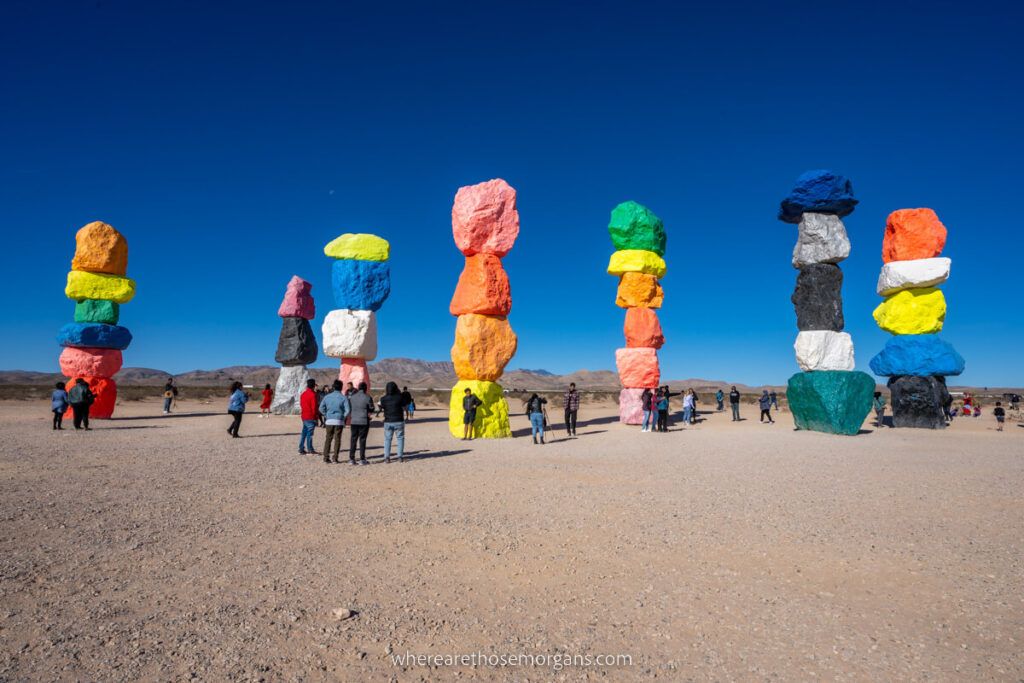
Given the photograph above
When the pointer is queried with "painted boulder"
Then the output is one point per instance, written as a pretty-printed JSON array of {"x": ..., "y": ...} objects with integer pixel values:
[
  {"x": 296, "y": 344},
  {"x": 483, "y": 288},
  {"x": 834, "y": 402},
  {"x": 636, "y": 261},
  {"x": 824, "y": 350},
  {"x": 643, "y": 329},
  {"x": 912, "y": 234},
  {"x": 485, "y": 219},
  {"x": 98, "y": 335},
  {"x": 354, "y": 370},
  {"x": 634, "y": 226},
  {"x": 291, "y": 382},
  {"x": 818, "y": 192},
  {"x": 918, "y": 401},
  {"x": 821, "y": 238},
  {"x": 490, "y": 420},
  {"x": 82, "y": 285},
  {"x": 639, "y": 290},
  {"x": 484, "y": 344},
  {"x": 921, "y": 355},
  {"x": 631, "y": 409},
  {"x": 912, "y": 311},
  {"x": 97, "y": 311},
  {"x": 917, "y": 274},
  {"x": 360, "y": 285},
  {"x": 99, "y": 248},
  {"x": 358, "y": 246},
  {"x": 298, "y": 301},
  {"x": 818, "y": 298},
  {"x": 350, "y": 334},
  {"x": 90, "y": 362},
  {"x": 638, "y": 367}
]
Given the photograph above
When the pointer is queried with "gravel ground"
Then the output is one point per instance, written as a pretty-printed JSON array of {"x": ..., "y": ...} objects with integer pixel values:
[{"x": 156, "y": 548}]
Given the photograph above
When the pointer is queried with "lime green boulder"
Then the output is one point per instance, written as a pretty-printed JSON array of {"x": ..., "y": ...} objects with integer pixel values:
[
  {"x": 634, "y": 226},
  {"x": 831, "y": 401},
  {"x": 97, "y": 311}
]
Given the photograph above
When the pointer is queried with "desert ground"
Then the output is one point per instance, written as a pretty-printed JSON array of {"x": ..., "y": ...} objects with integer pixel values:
[{"x": 157, "y": 548}]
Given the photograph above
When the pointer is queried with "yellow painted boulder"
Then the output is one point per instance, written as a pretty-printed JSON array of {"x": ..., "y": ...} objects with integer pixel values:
[
  {"x": 358, "y": 247},
  {"x": 82, "y": 285},
  {"x": 636, "y": 261},
  {"x": 99, "y": 248},
  {"x": 484, "y": 344},
  {"x": 638, "y": 290},
  {"x": 490, "y": 419},
  {"x": 912, "y": 311}
]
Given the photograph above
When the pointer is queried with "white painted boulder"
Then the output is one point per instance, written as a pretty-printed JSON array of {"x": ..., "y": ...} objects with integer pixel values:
[
  {"x": 922, "y": 272},
  {"x": 290, "y": 385},
  {"x": 350, "y": 334},
  {"x": 824, "y": 350}
]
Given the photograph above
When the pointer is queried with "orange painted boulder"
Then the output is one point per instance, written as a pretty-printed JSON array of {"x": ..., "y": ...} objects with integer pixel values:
[
  {"x": 484, "y": 344},
  {"x": 643, "y": 329},
  {"x": 354, "y": 370},
  {"x": 483, "y": 287},
  {"x": 639, "y": 290},
  {"x": 638, "y": 367},
  {"x": 90, "y": 362},
  {"x": 912, "y": 234},
  {"x": 485, "y": 219},
  {"x": 105, "y": 390},
  {"x": 99, "y": 248}
]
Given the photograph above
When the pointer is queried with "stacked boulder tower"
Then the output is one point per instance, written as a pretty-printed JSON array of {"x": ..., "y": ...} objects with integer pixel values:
[
  {"x": 915, "y": 359},
  {"x": 296, "y": 346},
  {"x": 828, "y": 395},
  {"x": 361, "y": 282},
  {"x": 485, "y": 224},
  {"x": 98, "y": 285},
  {"x": 638, "y": 261}
]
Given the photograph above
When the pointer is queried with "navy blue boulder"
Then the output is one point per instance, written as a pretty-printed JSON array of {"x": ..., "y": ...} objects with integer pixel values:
[
  {"x": 920, "y": 355},
  {"x": 818, "y": 192},
  {"x": 96, "y": 335},
  {"x": 360, "y": 285}
]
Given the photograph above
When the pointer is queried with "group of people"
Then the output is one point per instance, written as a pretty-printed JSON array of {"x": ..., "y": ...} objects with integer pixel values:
[
  {"x": 78, "y": 398},
  {"x": 333, "y": 408}
]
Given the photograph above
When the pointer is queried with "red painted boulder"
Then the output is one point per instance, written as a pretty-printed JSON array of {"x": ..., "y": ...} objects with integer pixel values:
[
  {"x": 354, "y": 370},
  {"x": 912, "y": 234},
  {"x": 638, "y": 367},
  {"x": 485, "y": 219},
  {"x": 298, "y": 302},
  {"x": 483, "y": 288},
  {"x": 89, "y": 362},
  {"x": 642, "y": 329}
]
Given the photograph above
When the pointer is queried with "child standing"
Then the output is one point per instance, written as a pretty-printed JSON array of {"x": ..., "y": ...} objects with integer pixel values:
[
  {"x": 1000, "y": 415},
  {"x": 59, "y": 404}
]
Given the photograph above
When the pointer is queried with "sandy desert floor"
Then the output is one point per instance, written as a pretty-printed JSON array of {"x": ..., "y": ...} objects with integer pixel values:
[{"x": 156, "y": 548}]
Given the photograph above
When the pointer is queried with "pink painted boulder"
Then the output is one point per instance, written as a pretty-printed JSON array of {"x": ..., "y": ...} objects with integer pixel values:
[
  {"x": 298, "y": 302},
  {"x": 638, "y": 367},
  {"x": 354, "y": 370},
  {"x": 89, "y": 362},
  {"x": 631, "y": 409},
  {"x": 485, "y": 219}
]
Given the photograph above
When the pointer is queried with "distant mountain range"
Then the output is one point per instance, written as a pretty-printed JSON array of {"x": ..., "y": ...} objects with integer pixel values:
[{"x": 419, "y": 374}]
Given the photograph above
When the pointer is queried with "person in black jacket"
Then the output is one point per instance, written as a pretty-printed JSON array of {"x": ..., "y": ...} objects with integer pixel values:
[
  {"x": 81, "y": 397},
  {"x": 392, "y": 404},
  {"x": 535, "y": 411},
  {"x": 734, "y": 403}
]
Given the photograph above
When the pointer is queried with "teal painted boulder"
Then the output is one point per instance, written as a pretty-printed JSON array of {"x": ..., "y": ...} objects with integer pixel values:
[
  {"x": 831, "y": 401},
  {"x": 635, "y": 227},
  {"x": 97, "y": 311}
]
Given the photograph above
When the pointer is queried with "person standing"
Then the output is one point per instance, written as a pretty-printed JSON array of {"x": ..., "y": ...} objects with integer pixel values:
[
  {"x": 308, "y": 405},
  {"x": 571, "y": 402},
  {"x": 775, "y": 399},
  {"x": 663, "y": 410},
  {"x": 170, "y": 395},
  {"x": 362, "y": 407},
  {"x": 469, "y": 405},
  {"x": 392, "y": 403},
  {"x": 81, "y": 397},
  {"x": 236, "y": 407},
  {"x": 720, "y": 397},
  {"x": 334, "y": 407},
  {"x": 1000, "y": 415},
  {"x": 765, "y": 402},
  {"x": 268, "y": 398},
  {"x": 688, "y": 407},
  {"x": 408, "y": 406},
  {"x": 878, "y": 403},
  {"x": 59, "y": 404},
  {"x": 535, "y": 411},
  {"x": 647, "y": 405},
  {"x": 734, "y": 403}
]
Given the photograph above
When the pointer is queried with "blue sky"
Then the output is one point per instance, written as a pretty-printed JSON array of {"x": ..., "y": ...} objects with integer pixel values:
[{"x": 230, "y": 143}]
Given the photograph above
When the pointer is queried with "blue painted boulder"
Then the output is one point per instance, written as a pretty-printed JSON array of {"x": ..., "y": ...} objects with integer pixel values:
[
  {"x": 95, "y": 335},
  {"x": 831, "y": 401},
  {"x": 360, "y": 285},
  {"x": 920, "y": 355},
  {"x": 818, "y": 192}
]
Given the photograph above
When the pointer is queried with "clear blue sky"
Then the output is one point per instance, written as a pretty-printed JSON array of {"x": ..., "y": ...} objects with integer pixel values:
[{"x": 230, "y": 143}]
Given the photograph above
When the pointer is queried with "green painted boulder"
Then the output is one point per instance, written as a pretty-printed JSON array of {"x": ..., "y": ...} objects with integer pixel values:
[
  {"x": 831, "y": 401},
  {"x": 634, "y": 226},
  {"x": 97, "y": 311}
]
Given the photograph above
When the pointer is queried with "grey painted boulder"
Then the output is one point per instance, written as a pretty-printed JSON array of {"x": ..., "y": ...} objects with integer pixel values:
[
  {"x": 818, "y": 298},
  {"x": 917, "y": 401},
  {"x": 821, "y": 239},
  {"x": 290, "y": 385},
  {"x": 296, "y": 345}
]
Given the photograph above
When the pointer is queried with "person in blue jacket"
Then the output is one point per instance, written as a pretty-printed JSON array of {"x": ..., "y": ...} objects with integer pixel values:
[
  {"x": 59, "y": 404},
  {"x": 236, "y": 407},
  {"x": 335, "y": 408}
]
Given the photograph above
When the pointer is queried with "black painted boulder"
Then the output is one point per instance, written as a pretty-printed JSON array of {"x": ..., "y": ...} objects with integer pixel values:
[
  {"x": 296, "y": 345},
  {"x": 917, "y": 401},
  {"x": 818, "y": 297}
]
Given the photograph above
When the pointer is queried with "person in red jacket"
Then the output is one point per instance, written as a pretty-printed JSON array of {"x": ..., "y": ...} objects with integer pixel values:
[
  {"x": 268, "y": 396},
  {"x": 310, "y": 410}
]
